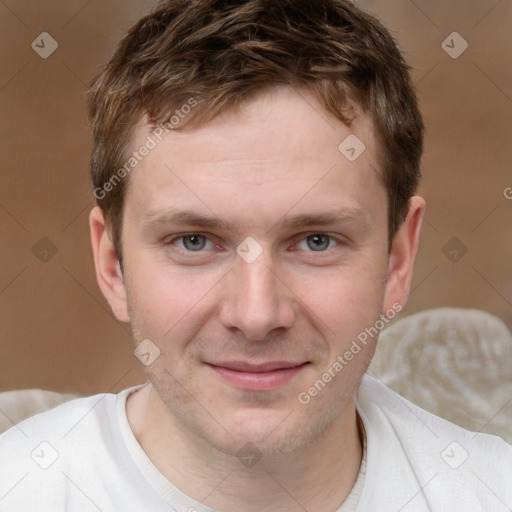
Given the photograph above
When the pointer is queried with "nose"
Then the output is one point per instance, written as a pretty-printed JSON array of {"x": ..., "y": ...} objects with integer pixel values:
[{"x": 256, "y": 299}]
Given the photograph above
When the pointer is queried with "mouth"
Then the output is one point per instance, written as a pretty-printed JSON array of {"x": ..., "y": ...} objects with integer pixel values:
[{"x": 257, "y": 377}]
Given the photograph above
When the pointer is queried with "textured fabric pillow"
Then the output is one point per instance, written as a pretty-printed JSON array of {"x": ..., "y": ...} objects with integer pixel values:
[
  {"x": 17, "y": 405},
  {"x": 455, "y": 363}
]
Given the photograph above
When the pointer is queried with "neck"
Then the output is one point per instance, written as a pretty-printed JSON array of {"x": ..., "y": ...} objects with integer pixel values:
[{"x": 316, "y": 477}]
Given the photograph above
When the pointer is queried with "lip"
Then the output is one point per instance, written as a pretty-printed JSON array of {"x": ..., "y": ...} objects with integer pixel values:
[{"x": 257, "y": 377}]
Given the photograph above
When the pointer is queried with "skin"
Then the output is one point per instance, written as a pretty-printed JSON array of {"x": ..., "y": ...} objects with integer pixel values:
[{"x": 273, "y": 157}]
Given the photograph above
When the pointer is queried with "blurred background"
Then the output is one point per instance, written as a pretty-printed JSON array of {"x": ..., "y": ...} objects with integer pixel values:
[{"x": 57, "y": 331}]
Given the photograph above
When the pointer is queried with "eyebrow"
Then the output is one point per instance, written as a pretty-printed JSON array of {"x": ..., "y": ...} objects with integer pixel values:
[{"x": 187, "y": 217}]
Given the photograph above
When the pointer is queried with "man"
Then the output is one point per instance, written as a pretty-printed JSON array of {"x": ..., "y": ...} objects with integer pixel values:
[{"x": 255, "y": 165}]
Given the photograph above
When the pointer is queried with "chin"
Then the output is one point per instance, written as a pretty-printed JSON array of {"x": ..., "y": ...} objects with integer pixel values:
[
  {"x": 271, "y": 425},
  {"x": 269, "y": 434}
]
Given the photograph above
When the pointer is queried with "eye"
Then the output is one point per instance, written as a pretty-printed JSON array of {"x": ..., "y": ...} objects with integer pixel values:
[
  {"x": 196, "y": 242},
  {"x": 317, "y": 242},
  {"x": 192, "y": 242}
]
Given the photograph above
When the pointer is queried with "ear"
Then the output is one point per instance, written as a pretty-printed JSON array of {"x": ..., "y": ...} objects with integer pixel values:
[
  {"x": 402, "y": 255},
  {"x": 108, "y": 271}
]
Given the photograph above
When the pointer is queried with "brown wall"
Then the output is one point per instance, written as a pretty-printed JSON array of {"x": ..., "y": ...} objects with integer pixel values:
[{"x": 57, "y": 331}]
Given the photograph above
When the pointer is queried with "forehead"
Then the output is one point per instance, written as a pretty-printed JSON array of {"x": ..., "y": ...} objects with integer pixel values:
[
  {"x": 279, "y": 143},
  {"x": 275, "y": 114}
]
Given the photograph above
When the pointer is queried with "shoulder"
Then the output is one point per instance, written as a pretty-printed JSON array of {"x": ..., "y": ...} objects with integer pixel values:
[
  {"x": 420, "y": 455},
  {"x": 60, "y": 421},
  {"x": 42, "y": 455}
]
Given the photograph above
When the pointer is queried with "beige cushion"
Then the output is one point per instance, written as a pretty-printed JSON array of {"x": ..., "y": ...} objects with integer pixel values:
[
  {"x": 455, "y": 363},
  {"x": 17, "y": 405}
]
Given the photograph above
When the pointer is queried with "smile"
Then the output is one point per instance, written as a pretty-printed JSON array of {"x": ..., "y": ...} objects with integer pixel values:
[{"x": 261, "y": 377}]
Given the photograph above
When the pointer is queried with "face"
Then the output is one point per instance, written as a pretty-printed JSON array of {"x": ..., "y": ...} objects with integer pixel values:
[{"x": 255, "y": 252}]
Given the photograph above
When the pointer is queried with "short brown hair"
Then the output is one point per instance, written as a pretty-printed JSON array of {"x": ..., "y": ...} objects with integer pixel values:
[{"x": 221, "y": 52}]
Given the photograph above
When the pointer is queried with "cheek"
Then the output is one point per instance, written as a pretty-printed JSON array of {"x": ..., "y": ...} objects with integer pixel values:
[
  {"x": 167, "y": 304},
  {"x": 344, "y": 300}
]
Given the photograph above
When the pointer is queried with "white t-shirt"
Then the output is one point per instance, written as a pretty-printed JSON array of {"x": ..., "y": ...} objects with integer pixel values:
[{"x": 82, "y": 456}]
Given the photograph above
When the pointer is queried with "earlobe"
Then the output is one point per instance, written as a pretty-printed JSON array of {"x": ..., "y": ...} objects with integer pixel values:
[
  {"x": 108, "y": 271},
  {"x": 402, "y": 255}
]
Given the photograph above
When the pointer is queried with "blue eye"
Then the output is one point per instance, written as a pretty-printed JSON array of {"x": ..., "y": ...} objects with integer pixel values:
[
  {"x": 318, "y": 242},
  {"x": 193, "y": 242}
]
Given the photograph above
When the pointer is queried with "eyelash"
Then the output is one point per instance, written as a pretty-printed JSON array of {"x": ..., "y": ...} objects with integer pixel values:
[{"x": 338, "y": 241}]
